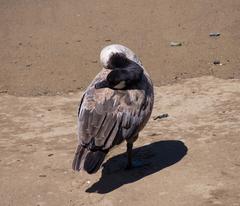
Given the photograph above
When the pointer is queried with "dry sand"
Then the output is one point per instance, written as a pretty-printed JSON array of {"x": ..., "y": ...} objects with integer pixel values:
[
  {"x": 49, "y": 53},
  {"x": 190, "y": 158},
  {"x": 53, "y": 46}
]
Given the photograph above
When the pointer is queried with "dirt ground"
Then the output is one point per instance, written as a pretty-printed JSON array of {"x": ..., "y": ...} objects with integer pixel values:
[
  {"x": 191, "y": 157},
  {"x": 49, "y": 52},
  {"x": 53, "y": 46}
]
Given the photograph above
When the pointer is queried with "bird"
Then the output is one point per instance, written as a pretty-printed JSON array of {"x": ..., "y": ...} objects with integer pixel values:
[{"x": 114, "y": 108}]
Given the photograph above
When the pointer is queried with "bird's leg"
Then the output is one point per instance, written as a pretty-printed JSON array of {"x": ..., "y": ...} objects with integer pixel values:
[{"x": 129, "y": 155}]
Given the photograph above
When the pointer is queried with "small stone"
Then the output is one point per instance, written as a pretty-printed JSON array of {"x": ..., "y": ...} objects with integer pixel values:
[
  {"x": 216, "y": 62},
  {"x": 49, "y": 155},
  {"x": 175, "y": 44},
  {"x": 214, "y": 34},
  {"x": 161, "y": 116},
  {"x": 88, "y": 182}
]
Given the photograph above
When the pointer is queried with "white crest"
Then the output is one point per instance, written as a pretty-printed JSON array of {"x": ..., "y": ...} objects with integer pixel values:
[{"x": 108, "y": 51}]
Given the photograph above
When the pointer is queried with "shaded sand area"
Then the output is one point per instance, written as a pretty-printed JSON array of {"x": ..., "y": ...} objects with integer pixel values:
[{"x": 191, "y": 157}]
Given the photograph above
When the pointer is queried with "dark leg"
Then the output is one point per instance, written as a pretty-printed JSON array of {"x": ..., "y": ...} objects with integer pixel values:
[{"x": 129, "y": 155}]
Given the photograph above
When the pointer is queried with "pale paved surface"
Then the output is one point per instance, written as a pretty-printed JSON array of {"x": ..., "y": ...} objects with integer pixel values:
[{"x": 37, "y": 141}]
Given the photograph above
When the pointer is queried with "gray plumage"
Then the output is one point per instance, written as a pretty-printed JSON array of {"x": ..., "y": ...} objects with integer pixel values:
[{"x": 108, "y": 116}]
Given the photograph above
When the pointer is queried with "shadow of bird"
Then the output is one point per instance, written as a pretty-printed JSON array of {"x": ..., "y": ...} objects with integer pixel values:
[{"x": 153, "y": 157}]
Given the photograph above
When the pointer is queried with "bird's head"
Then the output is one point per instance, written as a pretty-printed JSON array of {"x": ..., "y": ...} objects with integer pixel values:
[
  {"x": 117, "y": 56},
  {"x": 126, "y": 68}
]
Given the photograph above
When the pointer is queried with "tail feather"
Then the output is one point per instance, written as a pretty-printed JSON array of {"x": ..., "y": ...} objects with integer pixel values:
[
  {"x": 78, "y": 157},
  {"x": 88, "y": 160},
  {"x": 93, "y": 161}
]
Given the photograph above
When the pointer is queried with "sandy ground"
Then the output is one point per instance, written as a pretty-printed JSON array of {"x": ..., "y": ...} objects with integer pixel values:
[
  {"x": 49, "y": 52},
  {"x": 53, "y": 46},
  {"x": 191, "y": 157}
]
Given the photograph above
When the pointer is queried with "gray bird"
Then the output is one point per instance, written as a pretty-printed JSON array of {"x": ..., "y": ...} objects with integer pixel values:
[{"x": 115, "y": 107}]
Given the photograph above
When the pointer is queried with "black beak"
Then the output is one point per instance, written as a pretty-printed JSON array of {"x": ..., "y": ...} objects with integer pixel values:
[{"x": 103, "y": 84}]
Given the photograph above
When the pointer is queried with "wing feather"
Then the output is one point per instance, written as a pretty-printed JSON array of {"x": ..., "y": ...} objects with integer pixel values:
[{"x": 107, "y": 117}]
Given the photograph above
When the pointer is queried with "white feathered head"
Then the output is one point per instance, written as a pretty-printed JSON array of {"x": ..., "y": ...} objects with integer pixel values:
[{"x": 108, "y": 51}]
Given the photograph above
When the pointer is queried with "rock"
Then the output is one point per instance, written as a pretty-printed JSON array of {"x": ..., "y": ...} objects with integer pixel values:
[
  {"x": 175, "y": 44},
  {"x": 216, "y": 62},
  {"x": 161, "y": 116},
  {"x": 214, "y": 34}
]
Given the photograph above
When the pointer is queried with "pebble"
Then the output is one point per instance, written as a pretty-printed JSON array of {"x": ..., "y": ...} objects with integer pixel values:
[
  {"x": 214, "y": 34},
  {"x": 175, "y": 43},
  {"x": 161, "y": 116},
  {"x": 216, "y": 62}
]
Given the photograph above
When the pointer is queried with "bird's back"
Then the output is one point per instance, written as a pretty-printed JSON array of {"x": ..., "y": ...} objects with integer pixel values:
[{"x": 107, "y": 116}]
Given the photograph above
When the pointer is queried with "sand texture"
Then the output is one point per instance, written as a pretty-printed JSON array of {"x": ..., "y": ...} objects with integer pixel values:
[{"x": 189, "y": 158}]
